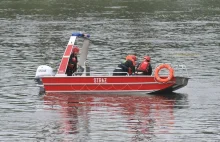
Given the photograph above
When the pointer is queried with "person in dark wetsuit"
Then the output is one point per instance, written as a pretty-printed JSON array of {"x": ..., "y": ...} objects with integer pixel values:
[
  {"x": 72, "y": 64},
  {"x": 126, "y": 68},
  {"x": 145, "y": 66}
]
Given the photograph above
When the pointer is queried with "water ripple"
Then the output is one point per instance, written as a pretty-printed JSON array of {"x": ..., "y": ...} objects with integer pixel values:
[{"x": 177, "y": 32}]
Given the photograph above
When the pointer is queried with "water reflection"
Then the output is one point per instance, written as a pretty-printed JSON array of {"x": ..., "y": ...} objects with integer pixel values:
[{"x": 107, "y": 117}]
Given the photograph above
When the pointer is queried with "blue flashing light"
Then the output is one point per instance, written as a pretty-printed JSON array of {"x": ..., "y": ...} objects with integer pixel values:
[
  {"x": 87, "y": 35},
  {"x": 76, "y": 34},
  {"x": 81, "y": 35}
]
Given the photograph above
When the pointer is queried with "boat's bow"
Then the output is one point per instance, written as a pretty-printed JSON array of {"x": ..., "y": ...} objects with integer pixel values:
[{"x": 179, "y": 82}]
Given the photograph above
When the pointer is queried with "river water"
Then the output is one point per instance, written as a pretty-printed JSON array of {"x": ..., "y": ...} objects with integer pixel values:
[{"x": 34, "y": 33}]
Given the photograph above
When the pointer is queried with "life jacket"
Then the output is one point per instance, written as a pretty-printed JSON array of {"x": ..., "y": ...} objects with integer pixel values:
[
  {"x": 130, "y": 57},
  {"x": 127, "y": 66},
  {"x": 143, "y": 66},
  {"x": 73, "y": 62}
]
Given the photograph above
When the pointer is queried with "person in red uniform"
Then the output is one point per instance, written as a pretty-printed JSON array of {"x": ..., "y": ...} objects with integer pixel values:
[
  {"x": 127, "y": 67},
  {"x": 132, "y": 58},
  {"x": 145, "y": 66},
  {"x": 72, "y": 64}
]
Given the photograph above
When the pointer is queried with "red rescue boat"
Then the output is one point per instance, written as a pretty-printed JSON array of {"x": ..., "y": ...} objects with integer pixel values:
[{"x": 103, "y": 82}]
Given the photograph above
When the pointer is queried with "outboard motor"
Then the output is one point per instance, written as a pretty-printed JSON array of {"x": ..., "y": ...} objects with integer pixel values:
[{"x": 43, "y": 70}]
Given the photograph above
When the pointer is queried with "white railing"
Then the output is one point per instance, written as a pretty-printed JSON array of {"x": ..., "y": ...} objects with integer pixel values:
[
  {"x": 97, "y": 73},
  {"x": 179, "y": 70},
  {"x": 182, "y": 69}
]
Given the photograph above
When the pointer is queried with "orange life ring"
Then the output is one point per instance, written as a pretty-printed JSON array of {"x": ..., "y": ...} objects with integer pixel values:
[{"x": 162, "y": 66}]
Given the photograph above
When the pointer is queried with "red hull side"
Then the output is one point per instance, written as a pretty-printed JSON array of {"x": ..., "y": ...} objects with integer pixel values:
[
  {"x": 100, "y": 79},
  {"x": 104, "y": 84}
]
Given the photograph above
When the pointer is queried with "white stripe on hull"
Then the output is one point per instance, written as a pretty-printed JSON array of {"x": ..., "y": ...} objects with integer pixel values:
[
  {"x": 98, "y": 84},
  {"x": 103, "y": 91}
]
